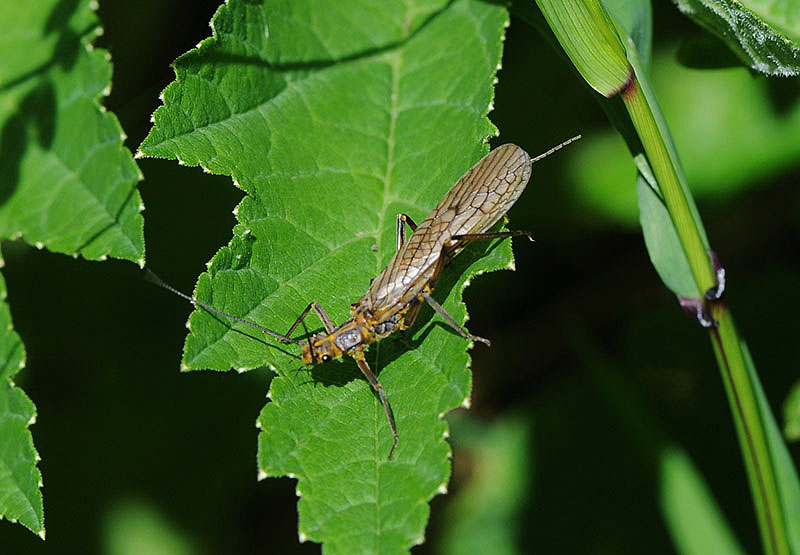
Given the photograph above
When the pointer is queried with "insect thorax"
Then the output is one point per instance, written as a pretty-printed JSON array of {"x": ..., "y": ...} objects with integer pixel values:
[
  {"x": 373, "y": 327},
  {"x": 348, "y": 338}
]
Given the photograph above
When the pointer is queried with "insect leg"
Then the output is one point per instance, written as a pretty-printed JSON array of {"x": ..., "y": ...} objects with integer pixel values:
[
  {"x": 376, "y": 385},
  {"x": 443, "y": 313},
  {"x": 326, "y": 320},
  {"x": 403, "y": 219},
  {"x": 458, "y": 241}
]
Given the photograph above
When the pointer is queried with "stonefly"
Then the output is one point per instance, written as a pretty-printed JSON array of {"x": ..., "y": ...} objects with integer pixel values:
[{"x": 476, "y": 202}]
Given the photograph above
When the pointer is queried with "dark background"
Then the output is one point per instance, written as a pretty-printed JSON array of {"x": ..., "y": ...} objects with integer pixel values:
[{"x": 582, "y": 332}]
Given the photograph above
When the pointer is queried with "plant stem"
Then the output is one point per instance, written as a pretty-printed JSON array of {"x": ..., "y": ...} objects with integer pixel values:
[
  {"x": 727, "y": 346},
  {"x": 751, "y": 429},
  {"x": 669, "y": 185}
]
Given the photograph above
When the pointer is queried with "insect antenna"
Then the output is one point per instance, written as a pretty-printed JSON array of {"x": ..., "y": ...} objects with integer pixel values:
[
  {"x": 153, "y": 278},
  {"x": 554, "y": 149}
]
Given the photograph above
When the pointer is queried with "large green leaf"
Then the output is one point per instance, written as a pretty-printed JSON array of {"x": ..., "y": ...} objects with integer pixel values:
[
  {"x": 333, "y": 118},
  {"x": 764, "y": 34},
  {"x": 66, "y": 181},
  {"x": 66, "y": 184},
  {"x": 20, "y": 499}
]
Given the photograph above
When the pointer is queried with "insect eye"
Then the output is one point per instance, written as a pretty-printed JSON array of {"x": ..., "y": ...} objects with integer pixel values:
[{"x": 326, "y": 358}]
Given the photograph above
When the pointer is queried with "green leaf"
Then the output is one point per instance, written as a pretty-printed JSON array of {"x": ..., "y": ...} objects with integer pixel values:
[
  {"x": 788, "y": 483},
  {"x": 66, "y": 184},
  {"x": 587, "y": 36},
  {"x": 791, "y": 414},
  {"x": 20, "y": 499},
  {"x": 334, "y": 118},
  {"x": 663, "y": 245},
  {"x": 636, "y": 17},
  {"x": 764, "y": 34}
]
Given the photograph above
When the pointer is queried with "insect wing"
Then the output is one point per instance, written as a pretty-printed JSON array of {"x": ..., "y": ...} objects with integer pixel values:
[
  {"x": 477, "y": 200},
  {"x": 484, "y": 194}
]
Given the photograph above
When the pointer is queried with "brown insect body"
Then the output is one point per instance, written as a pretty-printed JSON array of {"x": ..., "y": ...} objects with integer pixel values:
[{"x": 474, "y": 204}]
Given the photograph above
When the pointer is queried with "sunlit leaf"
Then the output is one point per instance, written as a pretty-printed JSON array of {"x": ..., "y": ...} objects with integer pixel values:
[
  {"x": 67, "y": 184},
  {"x": 331, "y": 139}
]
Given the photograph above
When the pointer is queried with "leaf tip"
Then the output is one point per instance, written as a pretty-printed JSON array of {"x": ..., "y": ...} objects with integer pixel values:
[
  {"x": 262, "y": 475},
  {"x": 442, "y": 489},
  {"x": 466, "y": 403},
  {"x": 301, "y": 537}
]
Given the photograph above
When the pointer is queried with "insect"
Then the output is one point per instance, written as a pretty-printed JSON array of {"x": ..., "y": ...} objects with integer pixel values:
[{"x": 475, "y": 203}]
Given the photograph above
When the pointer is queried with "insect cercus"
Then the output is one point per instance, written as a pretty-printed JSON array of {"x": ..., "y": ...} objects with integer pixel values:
[{"x": 472, "y": 206}]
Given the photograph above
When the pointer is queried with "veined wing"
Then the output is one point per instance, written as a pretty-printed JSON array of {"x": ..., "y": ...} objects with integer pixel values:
[{"x": 477, "y": 200}]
